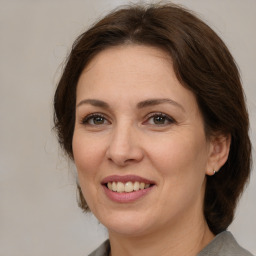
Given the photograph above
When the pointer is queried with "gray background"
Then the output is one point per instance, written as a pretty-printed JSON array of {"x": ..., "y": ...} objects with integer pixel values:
[{"x": 38, "y": 210}]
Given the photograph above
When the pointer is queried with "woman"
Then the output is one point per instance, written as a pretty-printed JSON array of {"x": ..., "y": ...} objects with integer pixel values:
[{"x": 151, "y": 109}]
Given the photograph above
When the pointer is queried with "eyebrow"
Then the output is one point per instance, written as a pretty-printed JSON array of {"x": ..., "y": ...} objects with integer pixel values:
[
  {"x": 142, "y": 104},
  {"x": 154, "y": 102},
  {"x": 94, "y": 102}
]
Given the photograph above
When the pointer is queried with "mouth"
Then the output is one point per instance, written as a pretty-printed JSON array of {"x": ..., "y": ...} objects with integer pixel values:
[{"x": 129, "y": 187}]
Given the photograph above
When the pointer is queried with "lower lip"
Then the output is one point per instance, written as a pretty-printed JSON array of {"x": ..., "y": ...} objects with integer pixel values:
[{"x": 126, "y": 197}]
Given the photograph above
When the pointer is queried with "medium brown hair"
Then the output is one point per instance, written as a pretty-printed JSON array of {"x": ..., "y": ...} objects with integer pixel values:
[{"x": 201, "y": 62}]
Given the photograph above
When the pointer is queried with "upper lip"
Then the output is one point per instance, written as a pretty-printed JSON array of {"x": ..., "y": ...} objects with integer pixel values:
[{"x": 126, "y": 178}]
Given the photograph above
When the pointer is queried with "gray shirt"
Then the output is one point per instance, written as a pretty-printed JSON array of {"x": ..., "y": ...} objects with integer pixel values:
[{"x": 224, "y": 244}]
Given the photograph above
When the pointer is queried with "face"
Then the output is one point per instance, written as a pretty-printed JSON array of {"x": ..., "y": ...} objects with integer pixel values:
[{"x": 139, "y": 143}]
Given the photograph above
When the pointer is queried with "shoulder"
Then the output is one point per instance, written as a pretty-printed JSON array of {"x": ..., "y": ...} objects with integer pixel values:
[
  {"x": 224, "y": 244},
  {"x": 102, "y": 250}
]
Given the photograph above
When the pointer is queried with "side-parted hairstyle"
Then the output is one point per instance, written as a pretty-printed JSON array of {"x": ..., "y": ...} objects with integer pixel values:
[{"x": 202, "y": 64}]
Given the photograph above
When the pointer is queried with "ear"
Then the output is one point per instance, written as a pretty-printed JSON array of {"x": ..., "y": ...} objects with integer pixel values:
[{"x": 218, "y": 153}]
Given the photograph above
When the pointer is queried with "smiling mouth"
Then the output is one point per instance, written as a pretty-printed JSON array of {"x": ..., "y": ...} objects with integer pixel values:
[{"x": 127, "y": 187}]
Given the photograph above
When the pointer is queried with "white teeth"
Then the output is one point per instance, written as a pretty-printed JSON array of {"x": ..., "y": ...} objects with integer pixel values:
[
  {"x": 110, "y": 185},
  {"x": 136, "y": 186},
  {"x": 120, "y": 187},
  {"x": 142, "y": 185},
  {"x": 127, "y": 187},
  {"x": 114, "y": 187}
]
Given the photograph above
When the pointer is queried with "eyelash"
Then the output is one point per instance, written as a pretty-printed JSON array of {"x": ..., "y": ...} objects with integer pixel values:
[
  {"x": 87, "y": 119},
  {"x": 169, "y": 119}
]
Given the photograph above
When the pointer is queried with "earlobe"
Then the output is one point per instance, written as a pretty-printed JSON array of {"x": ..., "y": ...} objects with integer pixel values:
[{"x": 218, "y": 153}]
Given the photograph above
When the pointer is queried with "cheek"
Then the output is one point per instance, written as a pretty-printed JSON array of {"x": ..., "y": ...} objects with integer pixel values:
[
  {"x": 179, "y": 155},
  {"x": 181, "y": 164},
  {"x": 87, "y": 153},
  {"x": 87, "y": 158}
]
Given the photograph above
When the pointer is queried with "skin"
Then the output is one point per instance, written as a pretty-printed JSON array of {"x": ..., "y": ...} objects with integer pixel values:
[{"x": 125, "y": 139}]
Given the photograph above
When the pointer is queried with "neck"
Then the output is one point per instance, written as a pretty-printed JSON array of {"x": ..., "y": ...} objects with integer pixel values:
[{"x": 176, "y": 240}]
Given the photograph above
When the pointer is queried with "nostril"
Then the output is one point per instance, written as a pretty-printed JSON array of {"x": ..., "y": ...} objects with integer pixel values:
[{"x": 124, "y": 150}]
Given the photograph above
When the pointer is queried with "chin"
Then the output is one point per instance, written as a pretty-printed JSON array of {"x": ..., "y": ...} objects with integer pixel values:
[
  {"x": 125, "y": 223},
  {"x": 134, "y": 230}
]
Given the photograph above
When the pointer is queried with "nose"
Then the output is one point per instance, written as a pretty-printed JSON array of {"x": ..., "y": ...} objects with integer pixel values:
[{"x": 124, "y": 146}]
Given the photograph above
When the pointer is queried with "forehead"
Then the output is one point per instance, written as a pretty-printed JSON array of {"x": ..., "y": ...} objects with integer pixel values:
[
  {"x": 131, "y": 60},
  {"x": 131, "y": 71}
]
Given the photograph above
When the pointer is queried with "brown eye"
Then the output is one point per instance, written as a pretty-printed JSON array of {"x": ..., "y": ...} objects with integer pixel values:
[
  {"x": 95, "y": 119},
  {"x": 98, "y": 120},
  {"x": 160, "y": 119}
]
